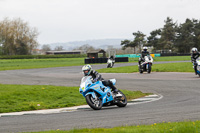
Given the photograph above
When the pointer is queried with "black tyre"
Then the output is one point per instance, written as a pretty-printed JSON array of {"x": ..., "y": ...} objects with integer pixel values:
[
  {"x": 149, "y": 69},
  {"x": 108, "y": 66},
  {"x": 95, "y": 104},
  {"x": 122, "y": 100},
  {"x": 140, "y": 69}
]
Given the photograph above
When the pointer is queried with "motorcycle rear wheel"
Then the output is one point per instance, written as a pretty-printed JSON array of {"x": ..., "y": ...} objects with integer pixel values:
[
  {"x": 122, "y": 101},
  {"x": 95, "y": 104}
]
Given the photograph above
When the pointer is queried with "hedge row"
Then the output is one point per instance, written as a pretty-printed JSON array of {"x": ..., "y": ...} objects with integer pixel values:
[{"x": 42, "y": 56}]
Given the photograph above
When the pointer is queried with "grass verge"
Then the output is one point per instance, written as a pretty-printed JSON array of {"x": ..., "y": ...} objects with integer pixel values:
[
  {"x": 165, "y": 58},
  {"x": 167, "y": 67},
  {"x": 13, "y": 64},
  {"x": 15, "y": 98},
  {"x": 165, "y": 127}
]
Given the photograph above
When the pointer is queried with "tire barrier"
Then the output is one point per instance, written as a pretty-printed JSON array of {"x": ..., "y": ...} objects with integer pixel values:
[{"x": 104, "y": 60}]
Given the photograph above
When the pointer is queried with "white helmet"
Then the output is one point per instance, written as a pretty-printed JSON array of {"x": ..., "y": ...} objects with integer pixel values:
[
  {"x": 87, "y": 69},
  {"x": 194, "y": 50},
  {"x": 144, "y": 49}
]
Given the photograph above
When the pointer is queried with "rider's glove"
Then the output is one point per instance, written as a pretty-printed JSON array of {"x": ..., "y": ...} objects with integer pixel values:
[{"x": 95, "y": 80}]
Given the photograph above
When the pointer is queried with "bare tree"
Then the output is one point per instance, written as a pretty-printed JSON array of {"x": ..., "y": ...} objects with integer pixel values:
[
  {"x": 58, "y": 48},
  {"x": 85, "y": 48},
  {"x": 17, "y": 37},
  {"x": 46, "y": 47}
]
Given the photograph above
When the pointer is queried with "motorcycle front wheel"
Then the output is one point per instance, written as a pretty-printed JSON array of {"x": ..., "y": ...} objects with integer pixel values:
[
  {"x": 122, "y": 101},
  {"x": 140, "y": 69},
  {"x": 149, "y": 69},
  {"x": 95, "y": 104}
]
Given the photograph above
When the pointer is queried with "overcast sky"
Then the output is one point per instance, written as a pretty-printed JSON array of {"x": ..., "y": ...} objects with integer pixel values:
[{"x": 79, "y": 20}]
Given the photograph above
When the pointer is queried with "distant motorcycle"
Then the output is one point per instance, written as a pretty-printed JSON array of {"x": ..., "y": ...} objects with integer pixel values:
[
  {"x": 98, "y": 95},
  {"x": 110, "y": 63},
  {"x": 146, "y": 65},
  {"x": 198, "y": 66}
]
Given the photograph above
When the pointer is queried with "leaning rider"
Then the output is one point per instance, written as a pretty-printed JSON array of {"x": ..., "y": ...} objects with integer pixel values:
[
  {"x": 143, "y": 54},
  {"x": 194, "y": 56},
  {"x": 88, "y": 71}
]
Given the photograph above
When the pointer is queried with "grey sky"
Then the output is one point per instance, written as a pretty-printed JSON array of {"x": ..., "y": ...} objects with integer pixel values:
[{"x": 75, "y": 20}]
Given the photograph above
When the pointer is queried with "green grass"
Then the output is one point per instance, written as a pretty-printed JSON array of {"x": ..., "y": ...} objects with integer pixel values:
[
  {"x": 15, "y": 98},
  {"x": 172, "y": 58},
  {"x": 167, "y": 67},
  {"x": 174, "y": 67},
  {"x": 165, "y": 58},
  {"x": 42, "y": 56},
  {"x": 13, "y": 64},
  {"x": 165, "y": 127}
]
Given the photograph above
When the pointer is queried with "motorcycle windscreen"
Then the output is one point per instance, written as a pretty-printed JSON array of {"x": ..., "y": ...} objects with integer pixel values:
[
  {"x": 85, "y": 81},
  {"x": 113, "y": 81}
]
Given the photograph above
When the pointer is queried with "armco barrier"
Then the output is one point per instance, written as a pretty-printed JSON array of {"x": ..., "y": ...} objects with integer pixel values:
[
  {"x": 129, "y": 55},
  {"x": 104, "y": 60},
  {"x": 174, "y": 54},
  {"x": 135, "y": 55}
]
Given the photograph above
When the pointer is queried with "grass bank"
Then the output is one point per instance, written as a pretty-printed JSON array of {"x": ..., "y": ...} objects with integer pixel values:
[
  {"x": 13, "y": 64},
  {"x": 167, "y": 67},
  {"x": 165, "y": 58},
  {"x": 42, "y": 56},
  {"x": 15, "y": 98},
  {"x": 165, "y": 127}
]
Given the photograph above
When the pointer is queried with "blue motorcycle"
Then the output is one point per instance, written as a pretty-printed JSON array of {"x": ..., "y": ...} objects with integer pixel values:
[{"x": 98, "y": 95}]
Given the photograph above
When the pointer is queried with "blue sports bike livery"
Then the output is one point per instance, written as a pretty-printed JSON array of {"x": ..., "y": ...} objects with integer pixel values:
[{"x": 98, "y": 95}]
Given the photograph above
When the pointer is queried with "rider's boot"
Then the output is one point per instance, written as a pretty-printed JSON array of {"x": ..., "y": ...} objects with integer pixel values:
[
  {"x": 114, "y": 89},
  {"x": 195, "y": 72},
  {"x": 195, "y": 69}
]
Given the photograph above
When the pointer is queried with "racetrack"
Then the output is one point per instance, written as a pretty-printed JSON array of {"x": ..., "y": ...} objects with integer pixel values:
[{"x": 180, "y": 100}]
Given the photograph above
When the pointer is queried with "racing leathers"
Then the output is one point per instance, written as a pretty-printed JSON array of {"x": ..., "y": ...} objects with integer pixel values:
[
  {"x": 143, "y": 54},
  {"x": 194, "y": 56},
  {"x": 96, "y": 77}
]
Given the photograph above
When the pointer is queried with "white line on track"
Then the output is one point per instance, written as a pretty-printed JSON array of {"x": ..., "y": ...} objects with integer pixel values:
[{"x": 145, "y": 99}]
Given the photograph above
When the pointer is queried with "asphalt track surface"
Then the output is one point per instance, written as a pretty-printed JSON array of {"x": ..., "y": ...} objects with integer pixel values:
[{"x": 180, "y": 91}]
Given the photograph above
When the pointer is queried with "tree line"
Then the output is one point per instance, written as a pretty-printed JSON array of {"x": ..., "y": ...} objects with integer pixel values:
[
  {"x": 17, "y": 37},
  {"x": 172, "y": 37}
]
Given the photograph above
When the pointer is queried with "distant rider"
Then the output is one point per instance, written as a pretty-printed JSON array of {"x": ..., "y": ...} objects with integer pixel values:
[
  {"x": 88, "y": 71},
  {"x": 112, "y": 58},
  {"x": 143, "y": 54},
  {"x": 194, "y": 56}
]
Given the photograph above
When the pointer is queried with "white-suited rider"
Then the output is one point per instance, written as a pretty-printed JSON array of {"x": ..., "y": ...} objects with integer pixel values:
[
  {"x": 143, "y": 54},
  {"x": 194, "y": 56}
]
